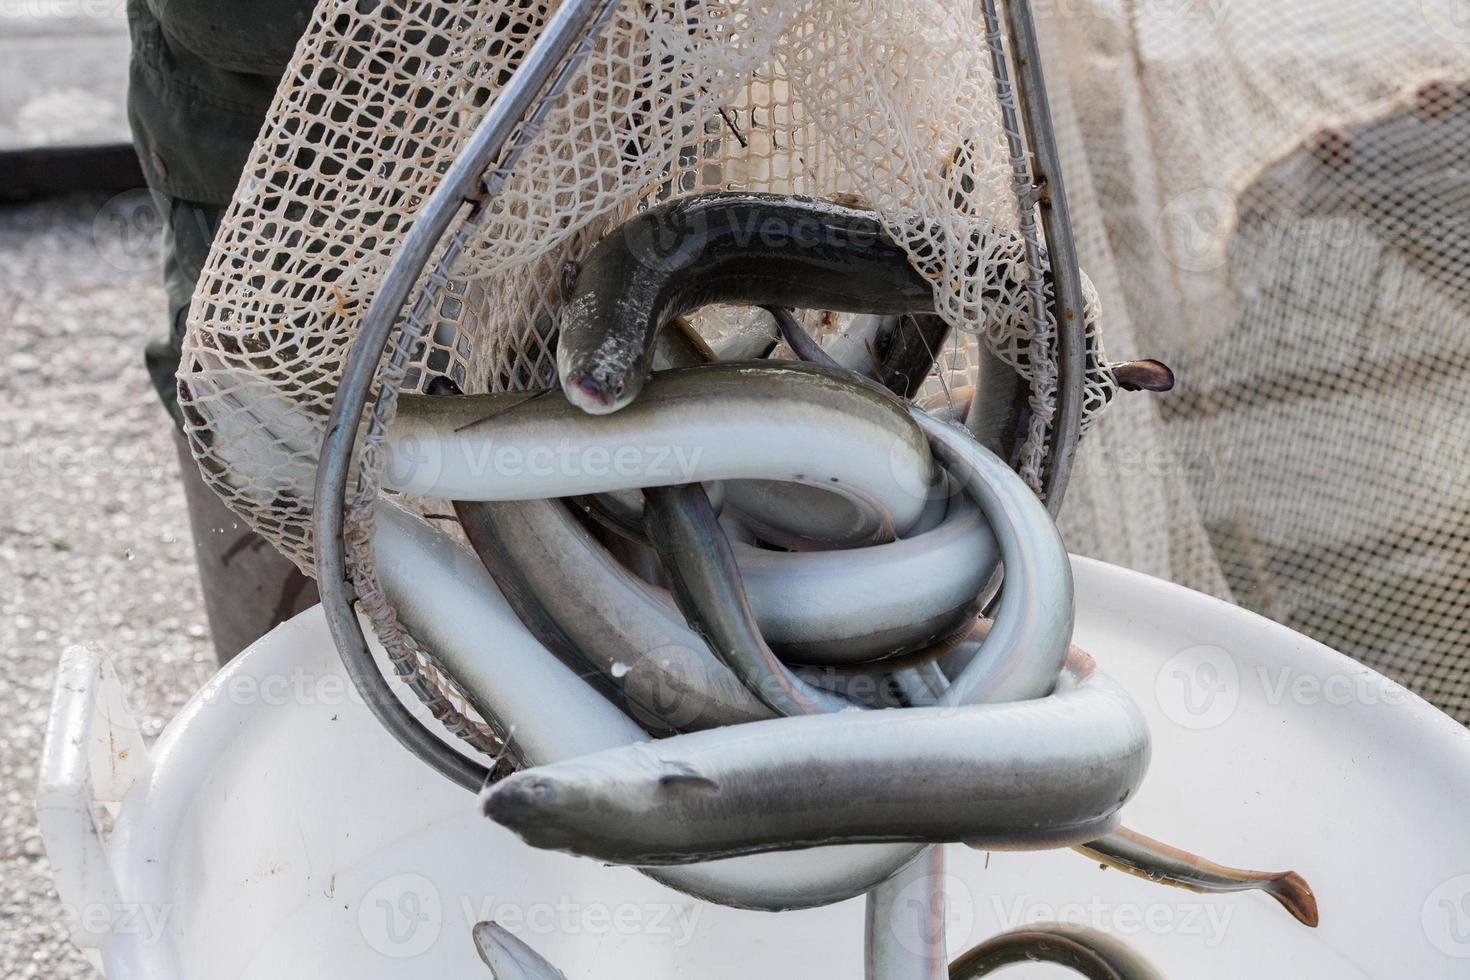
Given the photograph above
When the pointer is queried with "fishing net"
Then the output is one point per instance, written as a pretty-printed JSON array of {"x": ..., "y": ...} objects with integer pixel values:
[
  {"x": 1278, "y": 205},
  {"x": 893, "y": 108},
  {"x": 1265, "y": 196}
]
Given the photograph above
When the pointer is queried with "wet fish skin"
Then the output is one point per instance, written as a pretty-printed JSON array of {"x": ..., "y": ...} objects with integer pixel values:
[
  {"x": 446, "y": 598},
  {"x": 1091, "y": 953},
  {"x": 719, "y": 248},
  {"x": 710, "y": 422},
  {"x": 1052, "y": 771},
  {"x": 707, "y": 584},
  {"x": 1133, "y": 853}
]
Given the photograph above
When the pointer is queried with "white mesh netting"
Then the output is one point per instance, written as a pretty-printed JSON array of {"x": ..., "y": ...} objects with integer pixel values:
[
  {"x": 1278, "y": 209},
  {"x": 895, "y": 108},
  {"x": 1268, "y": 197}
]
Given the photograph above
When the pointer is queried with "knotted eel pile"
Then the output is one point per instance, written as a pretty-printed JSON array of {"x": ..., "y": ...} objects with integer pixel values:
[{"x": 767, "y": 629}]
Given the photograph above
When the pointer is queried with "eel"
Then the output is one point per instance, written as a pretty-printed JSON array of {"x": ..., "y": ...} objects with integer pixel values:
[
  {"x": 1091, "y": 953},
  {"x": 700, "y": 423},
  {"x": 774, "y": 251},
  {"x": 706, "y": 582},
  {"x": 444, "y": 596},
  {"x": 1049, "y": 772},
  {"x": 904, "y": 924},
  {"x": 1132, "y": 852},
  {"x": 737, "y": 248},
  {"x": 791, "y": 515},
  {"x": 442, "y": 593},
  {"x": 1027, "y": 649}
]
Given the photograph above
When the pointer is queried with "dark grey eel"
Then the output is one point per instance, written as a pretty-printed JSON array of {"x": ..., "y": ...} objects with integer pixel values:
[{"x": 756, "y": 249}]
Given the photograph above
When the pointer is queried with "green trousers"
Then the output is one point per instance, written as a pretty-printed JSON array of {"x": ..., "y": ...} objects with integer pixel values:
[{"x": 202, "y": 76}]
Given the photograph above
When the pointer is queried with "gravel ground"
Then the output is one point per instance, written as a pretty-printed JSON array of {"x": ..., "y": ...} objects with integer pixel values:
[{"x": 94, "y": 538}]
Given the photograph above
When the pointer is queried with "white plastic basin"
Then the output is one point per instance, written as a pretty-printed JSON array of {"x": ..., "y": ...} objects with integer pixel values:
[{"x": 274, "y": 832}]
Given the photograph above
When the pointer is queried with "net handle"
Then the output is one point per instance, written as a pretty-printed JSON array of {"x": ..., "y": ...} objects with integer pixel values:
[
  {"x": 1050, "y": 198},
  {"x": 563, "y": 44}
]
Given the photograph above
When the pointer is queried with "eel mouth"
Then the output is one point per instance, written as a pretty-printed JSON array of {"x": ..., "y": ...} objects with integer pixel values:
[
  {"x": 593, "y": 392},
  {"x": 527, "y": 805}
]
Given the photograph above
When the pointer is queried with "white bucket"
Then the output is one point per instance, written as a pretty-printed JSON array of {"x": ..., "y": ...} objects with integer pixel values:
[{"x": 275, "y": 832}]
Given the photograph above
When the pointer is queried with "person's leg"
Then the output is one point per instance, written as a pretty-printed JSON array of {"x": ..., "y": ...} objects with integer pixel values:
[
  {"x": 202, "y": 76},
  {"x": 188, "y": 231},
  {"x": 249, "y": 587}
]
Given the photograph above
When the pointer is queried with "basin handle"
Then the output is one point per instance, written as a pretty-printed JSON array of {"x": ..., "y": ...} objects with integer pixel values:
[{"x": 93, "y": 754}]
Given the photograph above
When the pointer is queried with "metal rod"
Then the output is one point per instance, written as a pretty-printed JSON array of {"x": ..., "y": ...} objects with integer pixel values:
[
  {"x": 1025, "y": 187},
  {"x": 1067, "y": 300},
  {"x": 574, "y": 21}
]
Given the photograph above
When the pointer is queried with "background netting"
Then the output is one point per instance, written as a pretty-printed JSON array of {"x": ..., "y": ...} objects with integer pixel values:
[
  {"x": 1270, "y": 199},
  {"x": 1277, "y": 207}
]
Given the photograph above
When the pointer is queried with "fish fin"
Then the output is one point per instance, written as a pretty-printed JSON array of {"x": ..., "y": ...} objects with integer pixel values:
[
  {"x": 1296, "y": 896},
  {"x": 1131, "y": 852},
  {"x": 1145, "y": 375},
  {"x": 683, "y": 775},
  {"x": 508, "y": 957}
]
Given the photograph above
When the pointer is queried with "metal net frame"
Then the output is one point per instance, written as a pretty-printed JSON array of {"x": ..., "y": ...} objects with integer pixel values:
[{"x": 382, "y": 114}]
